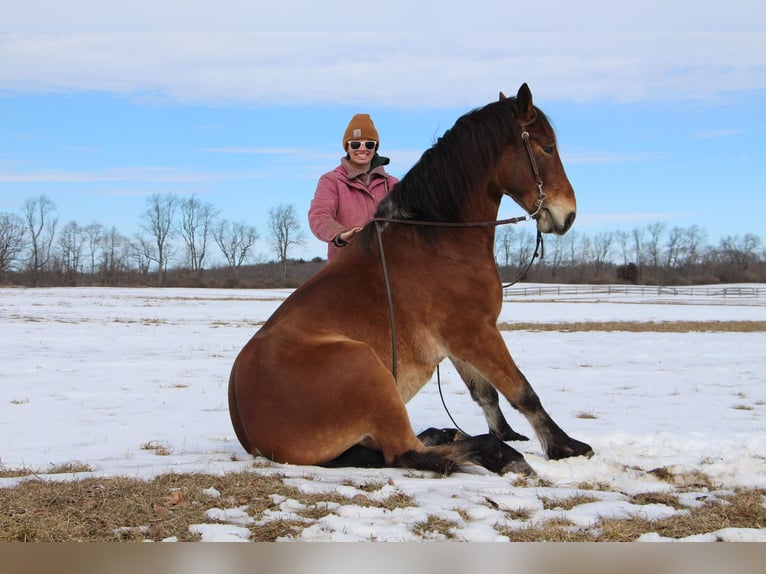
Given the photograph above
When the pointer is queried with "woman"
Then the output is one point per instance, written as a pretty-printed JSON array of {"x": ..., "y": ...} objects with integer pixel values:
[{"x": 346, "y": 198}]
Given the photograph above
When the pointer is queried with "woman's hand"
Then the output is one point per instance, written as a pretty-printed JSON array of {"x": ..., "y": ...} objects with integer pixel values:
[{"x": 345, "y": 236}]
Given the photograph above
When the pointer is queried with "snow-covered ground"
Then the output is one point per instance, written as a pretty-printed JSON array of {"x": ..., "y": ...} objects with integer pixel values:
[{"x": 98, "y": 375}]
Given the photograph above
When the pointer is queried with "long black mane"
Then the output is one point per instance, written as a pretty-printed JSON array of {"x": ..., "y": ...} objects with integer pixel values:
[{"x": 438, "y": 186}]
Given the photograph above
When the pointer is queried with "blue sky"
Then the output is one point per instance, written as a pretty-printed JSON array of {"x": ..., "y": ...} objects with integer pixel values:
[{"x": 659, "y": 111}]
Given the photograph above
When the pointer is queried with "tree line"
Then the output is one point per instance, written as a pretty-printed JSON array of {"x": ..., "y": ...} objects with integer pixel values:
[
  {"x": 183, "y": 241},
  {"x": 180, "y": 239},
  {"x": 654, "y": 254}
]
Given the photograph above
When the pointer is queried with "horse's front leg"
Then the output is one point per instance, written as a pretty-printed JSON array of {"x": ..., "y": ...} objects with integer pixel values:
[
  {"x": 492, "y": 359},
  {"x": 485, "y": 395}
]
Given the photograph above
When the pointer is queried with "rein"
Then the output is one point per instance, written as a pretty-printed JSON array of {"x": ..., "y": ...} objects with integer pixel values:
[{"x": 513, "y": 220}]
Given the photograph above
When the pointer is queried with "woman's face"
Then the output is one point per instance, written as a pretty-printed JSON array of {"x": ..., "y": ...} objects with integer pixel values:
[{"x": 360, "y": 152}]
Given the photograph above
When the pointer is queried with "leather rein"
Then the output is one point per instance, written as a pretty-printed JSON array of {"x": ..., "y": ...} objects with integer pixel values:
[{"x": 512, "y": 220}]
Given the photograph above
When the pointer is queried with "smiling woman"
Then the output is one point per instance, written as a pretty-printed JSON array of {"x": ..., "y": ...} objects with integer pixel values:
[{"x": 347, "y": 197}]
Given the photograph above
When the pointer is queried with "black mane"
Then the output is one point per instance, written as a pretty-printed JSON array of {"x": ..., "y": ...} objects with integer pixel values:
[{"x": 438, "y": 186}]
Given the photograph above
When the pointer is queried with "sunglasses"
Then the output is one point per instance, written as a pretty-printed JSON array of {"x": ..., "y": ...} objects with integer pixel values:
[{"x": 357, "y": 144}]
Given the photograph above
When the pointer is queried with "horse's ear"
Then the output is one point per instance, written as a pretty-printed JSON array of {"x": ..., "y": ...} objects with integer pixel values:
[
  {"x": 524, "y": 99},
  {"x": 502, "y": 97}
]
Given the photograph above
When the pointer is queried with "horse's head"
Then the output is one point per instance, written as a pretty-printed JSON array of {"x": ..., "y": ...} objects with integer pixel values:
[{"x": 533, "y": 174}]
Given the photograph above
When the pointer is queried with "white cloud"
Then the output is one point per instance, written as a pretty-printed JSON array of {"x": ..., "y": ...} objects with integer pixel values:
[
  {"x": 589, "y": 16},
  {"x": 389, "y": 69},
  {"x": 721, "y": 133}
]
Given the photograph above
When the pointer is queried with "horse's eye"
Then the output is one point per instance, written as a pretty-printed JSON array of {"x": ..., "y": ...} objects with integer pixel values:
[{"x": 548, "y": 149}]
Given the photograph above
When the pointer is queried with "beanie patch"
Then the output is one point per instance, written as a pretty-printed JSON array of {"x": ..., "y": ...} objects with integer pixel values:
[{"x": 361, "y": 126}]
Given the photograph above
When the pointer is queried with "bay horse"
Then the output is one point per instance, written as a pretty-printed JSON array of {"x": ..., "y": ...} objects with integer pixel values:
[{"x": 315, "y": 385}]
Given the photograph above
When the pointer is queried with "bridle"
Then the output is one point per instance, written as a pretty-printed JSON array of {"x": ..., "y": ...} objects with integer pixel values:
[
  {"x": 538, "y": 180},
  {"x": 378, "y": 221}
]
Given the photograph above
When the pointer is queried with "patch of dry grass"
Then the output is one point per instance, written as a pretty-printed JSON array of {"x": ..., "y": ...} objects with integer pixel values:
[
  {"x": 552, "y": 530},
  {"x": 744, "y": 509},
  {"x": 125, "y": 509},
  {"x": 158, "y": 448},
  {"x": 666, "y": 498},
  {"x": 435, "y": 528},
  {"x": 567, "y": 503}
]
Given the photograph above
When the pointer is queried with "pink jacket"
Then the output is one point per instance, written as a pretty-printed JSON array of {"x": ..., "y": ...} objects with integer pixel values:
[{"x": 342, "y": 201}]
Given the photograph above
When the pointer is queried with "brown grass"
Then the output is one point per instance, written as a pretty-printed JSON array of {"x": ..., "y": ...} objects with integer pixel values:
[
  {"x": 434, "y": 528},
  {"x": 744, "y": 509},
  {"x": 567, "y": 503},
  {"x": 125, "y": 509},
  {"x": 642, "y": 326}
]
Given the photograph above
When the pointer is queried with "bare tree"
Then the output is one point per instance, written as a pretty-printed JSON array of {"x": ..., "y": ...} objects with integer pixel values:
[
  {"x": 638, "y": 245},
  {"x": 504, "y": 241},
  {"x": 195, "y": 227},
  {"x": 41, "y": 219},
  {"x": 655, "y": 231},
  {"x": 93, "y": 236},
  {"x": 623, "y": 240},
  {"x": 285, "y": 232},
  {"x": 569, "y": 245},
  {"x": 70, "y": 243},
  {"x": 235, "y": 240},
  {"x": 158, "y": 223},
  {"x": 695, "y": 240},
  {"x": 525, "y": 249},
  {"x": 554, "y": 254},
  {"x": 740, "y": 251},
  {"x": 674, "y": 247},
  {"x": 114, "y": 256},
  {"x": 600, "y": 247},
  {"x": 12, "y": 241},
  {"x": 143, "y": 252}
]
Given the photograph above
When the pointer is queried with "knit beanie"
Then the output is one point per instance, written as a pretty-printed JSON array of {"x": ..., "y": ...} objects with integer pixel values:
[{"x": 360, "y": 128}]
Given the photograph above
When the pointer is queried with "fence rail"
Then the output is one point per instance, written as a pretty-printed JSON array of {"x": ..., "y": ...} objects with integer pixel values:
[{"x": 637, "y": 290}]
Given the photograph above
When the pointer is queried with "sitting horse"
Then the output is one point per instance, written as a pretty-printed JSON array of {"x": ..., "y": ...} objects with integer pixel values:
[{"x": 322, "y": 382}]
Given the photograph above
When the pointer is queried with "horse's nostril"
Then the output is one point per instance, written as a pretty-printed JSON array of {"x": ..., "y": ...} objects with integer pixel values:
[{"x": 569, "y": 221}]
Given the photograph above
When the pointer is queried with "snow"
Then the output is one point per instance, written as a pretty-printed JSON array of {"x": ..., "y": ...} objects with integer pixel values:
[{"x": 132, "y": 382}]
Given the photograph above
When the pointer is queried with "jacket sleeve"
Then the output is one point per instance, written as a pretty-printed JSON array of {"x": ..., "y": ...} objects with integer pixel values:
[{"x": 324, "y": 209}]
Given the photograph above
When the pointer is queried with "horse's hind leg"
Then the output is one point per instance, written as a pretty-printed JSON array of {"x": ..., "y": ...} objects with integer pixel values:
[
  {"x": 485, "y": 395},
  {"x": 358, "y": 456}
]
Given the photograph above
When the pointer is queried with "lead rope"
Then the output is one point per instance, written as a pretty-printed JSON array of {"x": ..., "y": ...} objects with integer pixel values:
[
  {"x": 392, "y": 319},
  {"x": 387, "y": 282},
  {"x": 538, "y": 252}
]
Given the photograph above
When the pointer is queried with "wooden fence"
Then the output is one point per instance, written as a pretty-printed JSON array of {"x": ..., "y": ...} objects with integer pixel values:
[{"x": 635, "y": 290}]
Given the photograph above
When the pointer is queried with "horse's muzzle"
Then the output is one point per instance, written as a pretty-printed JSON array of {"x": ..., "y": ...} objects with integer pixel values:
[{"x": 551, "y": 220}]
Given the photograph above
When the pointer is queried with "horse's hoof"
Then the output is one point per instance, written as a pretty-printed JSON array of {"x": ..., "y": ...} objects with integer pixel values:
[
  {"x": 572, "y": 449},
  {"x": 518, "y": 467}
]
